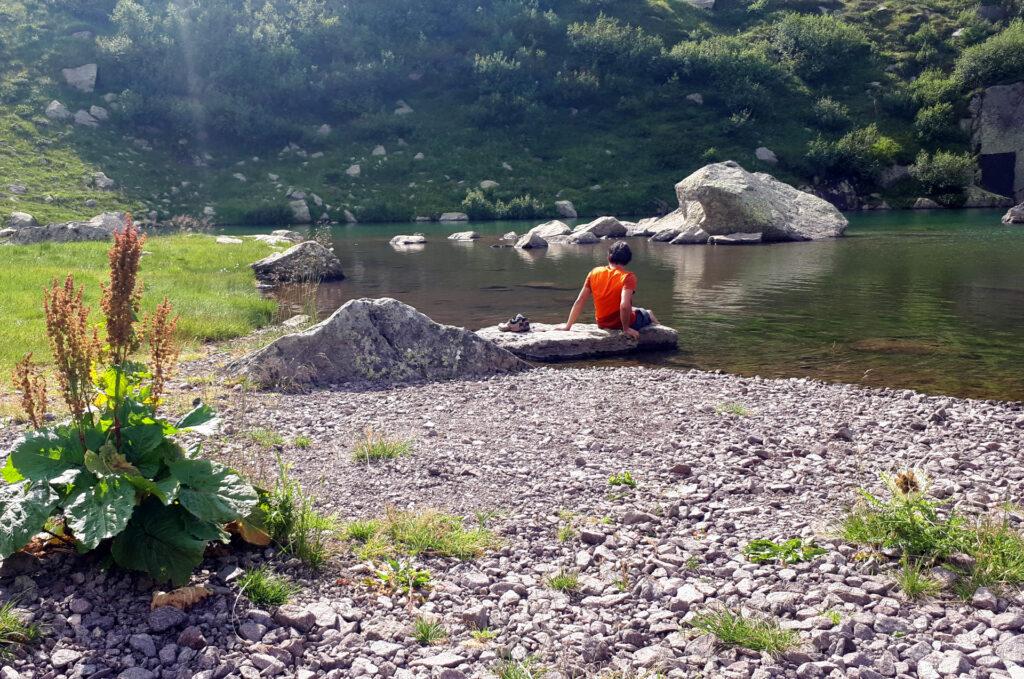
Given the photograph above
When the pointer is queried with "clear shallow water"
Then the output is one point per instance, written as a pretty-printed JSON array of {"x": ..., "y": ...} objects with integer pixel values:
[{"x": 925, "y": 300}]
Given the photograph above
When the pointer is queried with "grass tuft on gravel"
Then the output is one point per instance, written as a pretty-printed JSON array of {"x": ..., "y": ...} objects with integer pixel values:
[
  {"x": 564, "y": 581},
  {"x": 791, "y": 551},
  {"x": 395, "y": 575},
  {"x": 292, "y": 521},
  {"x": 428, "y": 632},
  {"x": 263, "y": 587},
  {"x": 736, "y": 629},
  {"x": 427, "y": 532},
  {"x": 14, "y": 632},
  {"x": 519, "y": 669},
  {"x": 737, "y": 409},
  {"x": 376, "y": 447},
  {"x": 915, "y": 582},
  {"x": 622, "y": 479},
  {"x": 985, "y": 552}
]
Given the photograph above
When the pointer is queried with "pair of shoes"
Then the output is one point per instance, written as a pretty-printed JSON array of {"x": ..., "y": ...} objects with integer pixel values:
[{"x": 517, "y": 323}]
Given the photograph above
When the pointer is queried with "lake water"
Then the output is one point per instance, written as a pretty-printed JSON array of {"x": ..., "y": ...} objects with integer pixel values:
[{"x": 926, "y": 300}]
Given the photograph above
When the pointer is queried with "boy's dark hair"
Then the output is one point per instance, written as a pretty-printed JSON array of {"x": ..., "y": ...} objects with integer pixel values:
[{"x": 619, "y": 253}]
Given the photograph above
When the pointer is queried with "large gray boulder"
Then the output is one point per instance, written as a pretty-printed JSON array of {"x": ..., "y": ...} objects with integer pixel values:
[
  {"x": 566, "y": 209},
  {"x": 550, "y": 229},
  {"x": 603, "y": 227},
  {"x": 300, "y": 263},
  {"x": 100, "y": 227},
  {"x": 723, "y": 199},
  {"x": 531, "y": 241},
  {"x": 57, "y": 111},
  {"x": 21, "y": 220},
  {"x": 1015, "y": 215},
  {"x": 378, "y": 341},
  {"x": 82, "y": 78},
  {"x": 666, "y": 228},
  {"x": 412, "y": 239},
  {"x": 453, "y": 217},
  {"x": 547, "y": 343},
  {"x": 464, "y": 236},
  {"x": 300, "y": 212}
]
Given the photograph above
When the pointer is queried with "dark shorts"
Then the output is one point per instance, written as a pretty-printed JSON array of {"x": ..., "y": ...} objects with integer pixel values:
[{"x": 643, "y": 318}]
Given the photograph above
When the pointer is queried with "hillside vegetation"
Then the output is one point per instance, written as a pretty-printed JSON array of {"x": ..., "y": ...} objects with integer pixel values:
[{"x": 234, "y": 105}]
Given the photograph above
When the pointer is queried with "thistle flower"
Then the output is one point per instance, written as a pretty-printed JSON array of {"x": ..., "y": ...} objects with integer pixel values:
[
  {"x": 163, "y": 350},
  {"x": 30, "y": 381},
  {"x": 121, "y": 297},
  {"x": 74, "y": 348}
]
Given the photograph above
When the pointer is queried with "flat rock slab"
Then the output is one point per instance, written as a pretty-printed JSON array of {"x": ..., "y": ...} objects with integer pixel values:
[{"x": 545, "y": 343}]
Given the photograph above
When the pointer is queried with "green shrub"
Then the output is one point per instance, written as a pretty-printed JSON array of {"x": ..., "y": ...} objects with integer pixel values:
[
  {"x": 478, "y": 206},
  {"x": 861, "y": 153},
  {"x": 933, "y": 86},
  {"x": 944, "y": 172},
  {"x": 564, "y": 581},
  {"x": 263, "y": 587},
  {"x": 115, "y": 474},
  {"x": 831, "y": 114},
  {"x": 1000, "y": 59},
  {"x": 374, "y": 447},
  {"x": 788, "y": 552},
  {"x": 740, "y": 70},
  {"x": 414, "y": 533},
  {"x": 935, "y": 122},
  {"x": 606, "y": 45},
  {"x": 820, "y": 46}
]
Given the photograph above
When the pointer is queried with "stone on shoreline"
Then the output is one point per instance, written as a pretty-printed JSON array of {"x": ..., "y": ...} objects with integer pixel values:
[
  {"x": 100, "y": 227},
  {"x": 300, "y": 263},
  {"x": 1015, "y": 215},
  {"x": 379, "y": 341},
  {"x": 453, "y": 217},
  {"x": 735, "y": 239},
  {"x": 545, "y": 343},
  {"x": 566, "y": 209},
  {"x": 723, "y": 198}
]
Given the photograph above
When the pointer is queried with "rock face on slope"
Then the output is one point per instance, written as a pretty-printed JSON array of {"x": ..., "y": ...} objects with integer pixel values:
[
  {"x": 307, "y": 261},
  {"x": 723, "y": 198},
  {"x": 998, "y": 137},
  {"x": 100, "y": 227},
  {"x": 545, "y": 343},
  {"x": 378, "y": 341}
]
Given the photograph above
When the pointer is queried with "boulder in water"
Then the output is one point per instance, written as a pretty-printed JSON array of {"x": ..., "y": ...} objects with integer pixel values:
[
  {"x": 926, "y": 204},
  {"x": 464, "y": 236},
  {"x": 300, "y": 263},
  {"x": 735, "y": 239},
  {"x": 723, "y": 198},
  {"x": 414, "y": 239},
  {"x": 603, "y": 227},
  {"x": 300, "y": 212},
  {"x": 1015, "y": 215},
  {"x": 552, "y": 228},
  {"x": 531, "y": 241},
  {"x": 375, "y": 341},
  {"x": 692, "y": 235},
  {"x": 546, "y": 343}
]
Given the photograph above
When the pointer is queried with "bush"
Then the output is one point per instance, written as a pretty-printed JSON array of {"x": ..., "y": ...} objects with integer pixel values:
[
  {"x": 935, "y": 122},
  {"x": 820, "y": 47},
  {"x": 861, "y": 153},
  {"x": 477, "y": 205},
  {"x": 831, "y": 114},
  {"x": 933, "y": 86},
  {"x": 741, "y": 71},
  {"x": 607, "y": 46},
  {"x": 1000, "y": 59},
  {"x": 943, "y": 173},
  {"x": 115, "y": 475}
]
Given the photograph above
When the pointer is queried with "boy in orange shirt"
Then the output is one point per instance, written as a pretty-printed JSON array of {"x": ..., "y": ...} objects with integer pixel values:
[{"x": 612, "y": 288}]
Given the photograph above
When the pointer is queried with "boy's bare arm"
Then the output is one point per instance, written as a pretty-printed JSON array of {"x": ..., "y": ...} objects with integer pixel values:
[
  {"x": 626, "y": 313},
  {"x": 577, "y": 308}
]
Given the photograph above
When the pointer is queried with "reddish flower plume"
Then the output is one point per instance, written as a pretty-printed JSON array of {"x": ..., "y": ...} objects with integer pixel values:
[{"x": 121, "y": 297}]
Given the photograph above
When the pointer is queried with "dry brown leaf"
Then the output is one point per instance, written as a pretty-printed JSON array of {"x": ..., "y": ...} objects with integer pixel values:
[
  {"x": 182, "y": 598},
  {"x": 249, "y": 533}
]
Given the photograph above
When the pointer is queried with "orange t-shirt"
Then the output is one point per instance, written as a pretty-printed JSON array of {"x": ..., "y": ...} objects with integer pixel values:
[{"x": 606, "y": 284}]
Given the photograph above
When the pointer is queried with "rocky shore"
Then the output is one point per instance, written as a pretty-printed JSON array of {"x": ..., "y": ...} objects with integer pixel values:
[{"x": 718, "y": 461}]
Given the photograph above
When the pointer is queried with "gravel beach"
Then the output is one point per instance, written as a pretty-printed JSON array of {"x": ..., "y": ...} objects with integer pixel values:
[{"x": 718, "y": 460}]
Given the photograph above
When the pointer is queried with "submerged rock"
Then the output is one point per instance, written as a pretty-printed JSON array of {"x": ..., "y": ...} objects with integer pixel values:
[
  {"x": 735, "y": 239},
  {"x": 723, "y": 198},
  {"x": 307, "y": 261},
  {"x": 382, "y": 341},
  {"x": 100, "y": 227},
  {"x": 546, "y": 343}
]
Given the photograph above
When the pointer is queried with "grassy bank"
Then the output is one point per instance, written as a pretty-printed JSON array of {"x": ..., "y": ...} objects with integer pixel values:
[{"x": 210, "y": 286}]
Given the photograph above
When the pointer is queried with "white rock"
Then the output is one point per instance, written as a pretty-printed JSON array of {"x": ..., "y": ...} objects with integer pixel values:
[
  {"x": 766, "y": 155},
  {"x": 354, "y": 170},
  {"x": 82, "y": 78},
  {"x": 57, "y": 111},
  {"x": 379, "y": 150}
]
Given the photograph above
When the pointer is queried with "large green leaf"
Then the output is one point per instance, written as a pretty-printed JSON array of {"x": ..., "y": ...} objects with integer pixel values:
[
  {"x": 201, "y": 420},
  {"x": 213, "y": 492},
  {"x": 23, "y": 511},
  {"x": 9, "y": 473},
  {"x": 100, "y": 512},
  {"x": 164, "y": 489},
  {"x": 43, "y": 454},
  {"x": 109, "y": 462},
  {"x": 165, "y": 542}
]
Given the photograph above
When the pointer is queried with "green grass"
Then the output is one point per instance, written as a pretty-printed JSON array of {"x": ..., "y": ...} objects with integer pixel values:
[
  {"x": 211, "y": 287},
  {"x": 291, "y": 519},
  {"x": 737, "y": 409},
  {"x": 266, "y": 437},
  {"x": 375, "y": 447},
  {"x": 427, "y": 532},
  {"x": 564, "y": 581},
  {"x": 265, "y": 588},
  {"x": 788, "y": 552},
  {"x": 14, "y": 632},
  {"x": 519, "y": 669},
  {"x": 622, "y": 479},
  {"x": 302, "y": 442},
  {"x": 395, "y": 575},
  {"x": 926, "y": 534},
  {"x": 484, "y": 635},
  {"x": 428, "y": 632},
  {"x": 915, "y": 582},
  {"x": 736, "y": 629},
  {"x": 566, "y": 532}
]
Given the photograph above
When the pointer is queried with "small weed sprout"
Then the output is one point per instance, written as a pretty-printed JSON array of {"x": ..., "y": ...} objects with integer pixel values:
[
  {"x": 622, "y": 479},
  {"x": 428, "y": 632},
  {"x": 834, "y": 616},
  {"x": 375, "y": 447},
  {"x": 519, "y": 669},
  {"x": 303, "y": 442},
  {"x": 484, "y": 635},
  {"x": 737, "y": 409},
  {"x": 14, "y": 632},
  {"x": 788, "y": 552},
  {"x": 566, "y": 532},
  {"x": 485, "y": 516},
  {"x": 564, "y": 581},
  {"x": 266, "y": 438},
  {"x": 265, "y": 588},
  {"x": 396, "y": 576},
  {"x": 737, "y": 629}
]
